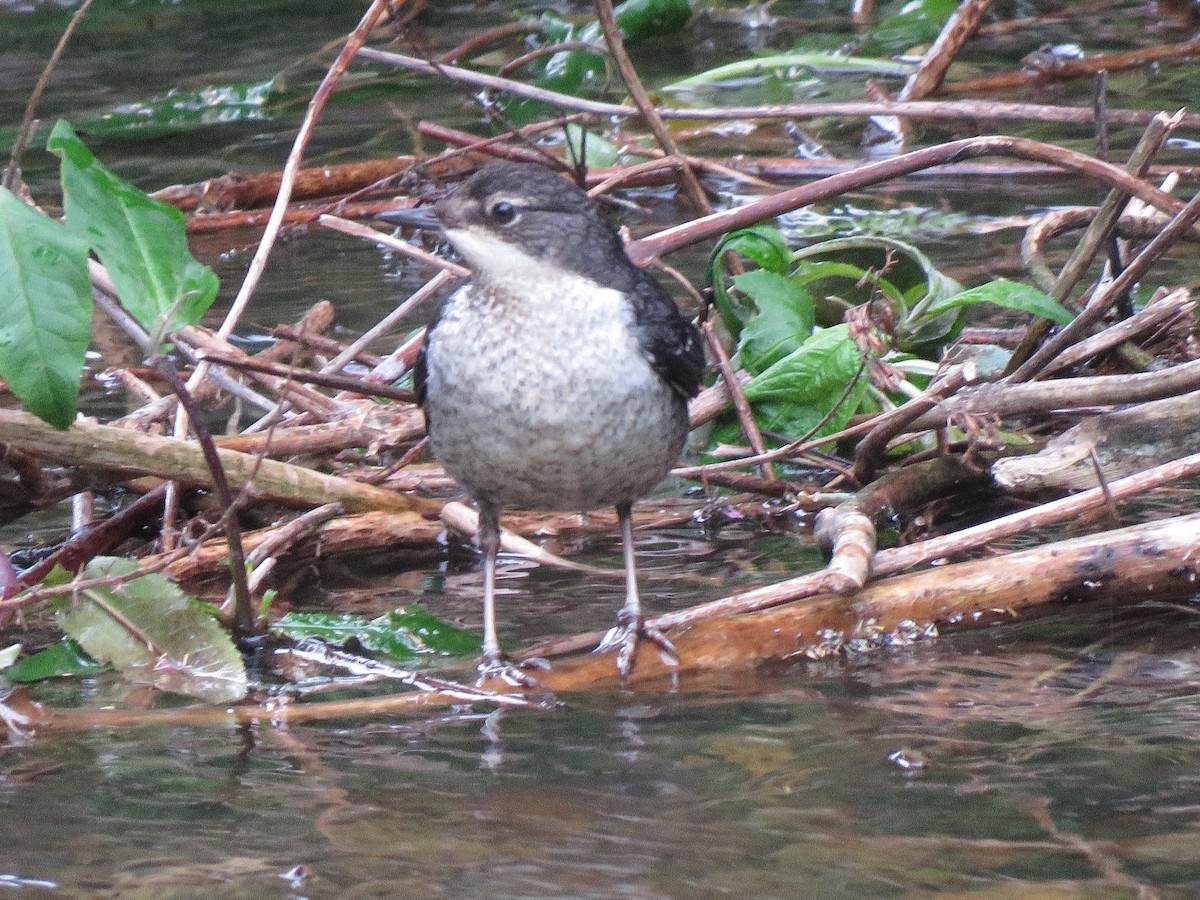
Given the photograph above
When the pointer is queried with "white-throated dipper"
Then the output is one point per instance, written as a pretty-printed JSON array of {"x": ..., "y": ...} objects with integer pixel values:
[{"x": 557, "y": 378}]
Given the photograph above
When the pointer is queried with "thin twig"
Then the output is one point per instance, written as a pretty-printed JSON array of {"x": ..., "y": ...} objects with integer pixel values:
[
  {"x": 641, "y": 99},
  {"x": 25, "y": 131},
  {"x": 973, "y": 110}
]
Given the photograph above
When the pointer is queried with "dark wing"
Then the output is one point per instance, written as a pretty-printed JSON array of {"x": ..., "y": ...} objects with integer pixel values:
[
  {"x": 669, "y": 341},
  {"x": 420, "y": 369}
]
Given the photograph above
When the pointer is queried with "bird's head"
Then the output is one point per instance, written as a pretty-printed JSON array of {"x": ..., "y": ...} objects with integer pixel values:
[{"x": 514, "y": 221}]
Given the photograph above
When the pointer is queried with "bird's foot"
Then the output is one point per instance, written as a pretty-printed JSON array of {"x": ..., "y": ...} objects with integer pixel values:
[
  {"x": 627, "y": 634},
  {"x": 512, "y": 673}
]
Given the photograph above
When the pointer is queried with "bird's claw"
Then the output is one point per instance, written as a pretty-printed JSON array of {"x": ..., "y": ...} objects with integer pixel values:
[
  {"x": 511, "y": 673},
  {"x": 627, "y": 634}
]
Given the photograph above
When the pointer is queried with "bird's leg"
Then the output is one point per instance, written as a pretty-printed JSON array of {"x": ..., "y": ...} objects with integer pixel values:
[
  {"x": 494, "y": 663},
  {"x": 631, "y": 625}
]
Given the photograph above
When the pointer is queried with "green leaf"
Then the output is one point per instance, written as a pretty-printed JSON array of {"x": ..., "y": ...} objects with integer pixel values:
[
  {"x": 784, "y": 321},
  {"x": 403, "y": 633},
  {"x": 1002, "y": 292},
  {"x": 806, "y": 389},
  {"x": 915, "y": 22},
  {"x": 850, "y": 271},
  {"x": 584, "y": 145},
  {"x": 766, "y": 246},
  {"x": 45, "y": 310},
  {"x": 141, "y": 241},
  {"x": 153, "y": 633},
  {"x": 578, "y": 71},
  {"x": 818, "y": 369},
  {"x": 64, "y": 659},
  {"x": 785, "y": 66}
]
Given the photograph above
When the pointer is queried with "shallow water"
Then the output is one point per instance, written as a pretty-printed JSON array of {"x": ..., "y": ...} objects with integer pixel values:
[{"x": 1054, "y": 756}]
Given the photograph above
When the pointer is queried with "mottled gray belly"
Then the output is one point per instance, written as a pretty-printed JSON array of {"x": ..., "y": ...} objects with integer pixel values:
[{"x": 563, "y": 424}]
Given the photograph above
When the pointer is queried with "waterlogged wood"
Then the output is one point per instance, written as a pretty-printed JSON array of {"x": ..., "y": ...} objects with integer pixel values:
[
  {"x": 245, "y": 190},
  {"x": 102, "y": 446},
  {"x": 1156, "y": 560},
  {"x": 356, "y": 533},
  {"x": 1120, "y": 443},
  {"x": 370, "y": 531}
]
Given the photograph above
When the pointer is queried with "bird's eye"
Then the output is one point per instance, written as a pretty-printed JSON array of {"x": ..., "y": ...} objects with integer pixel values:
[{"x": 503, "y": 212}]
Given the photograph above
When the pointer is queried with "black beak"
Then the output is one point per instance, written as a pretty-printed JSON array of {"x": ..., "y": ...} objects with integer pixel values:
[{"x": 421, "y": 218}]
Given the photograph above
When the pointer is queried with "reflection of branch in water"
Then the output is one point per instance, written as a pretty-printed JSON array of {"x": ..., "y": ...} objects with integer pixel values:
[{"x": 1109, "y": 868}]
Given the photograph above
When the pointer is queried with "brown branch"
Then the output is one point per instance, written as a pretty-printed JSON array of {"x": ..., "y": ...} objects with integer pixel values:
[
  {"x": 707, "y": 227},
  {"x": 641, "y": 99},
  {"x": 959, "y": 28},
  {"x": 13, "y": 172},
  {"x": 892, "y": 561},
  {"x": 1074, "y": 68}
]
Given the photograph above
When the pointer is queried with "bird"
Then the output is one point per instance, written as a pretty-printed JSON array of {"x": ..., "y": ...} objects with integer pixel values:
[{"x": 556, "y": 378}]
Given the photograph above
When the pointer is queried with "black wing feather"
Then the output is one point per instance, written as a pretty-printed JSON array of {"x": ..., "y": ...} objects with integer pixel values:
[{"x": 670, "y": 342}]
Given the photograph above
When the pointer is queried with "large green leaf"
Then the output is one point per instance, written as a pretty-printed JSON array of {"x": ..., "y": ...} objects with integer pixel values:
[
  {"x": 141, "y": 241},
  {"x": 153, "y": 633},
  {"x": 402, "y": 633},
  {"x": 784, "y": 320},
  {"x": 45, "y": 310},
  {"x": 806, "y": 389}
]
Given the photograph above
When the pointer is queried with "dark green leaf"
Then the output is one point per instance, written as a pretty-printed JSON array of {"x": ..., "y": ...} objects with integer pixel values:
[
  {"x": 65, "y": 658},
  {"x": 1002, "y": 292},
  {"x": 153, "y": 633},
  {"x": 784, "y": 321},
  {"x": 402, "y": 633},
  {"x": 764, "y": 244},
  {"x": 45, "y": 310},
  {"x": 140, "y": 240}
]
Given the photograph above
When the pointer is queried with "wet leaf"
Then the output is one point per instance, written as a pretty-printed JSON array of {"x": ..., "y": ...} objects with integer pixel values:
[
  {"x": 1002, "y": 292},
  {"x": 64, "y": 659},
  {"x": 178, "y": 111},
  {"x": 585, "y": 146},
  {"x": 402, "y": 633},
  {"x": 789, "y": 66},
  {"x": 153, "y": 633},
  {"x": 140, "y": 240},
  {"x": 850, "y": 271},
  {"x": 45, "y": 310},
  {"x": 784, "y": 320}
]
